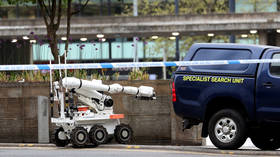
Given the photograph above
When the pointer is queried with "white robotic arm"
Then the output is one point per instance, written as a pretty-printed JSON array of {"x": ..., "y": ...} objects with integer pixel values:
[{"x": 75, "y": 83}]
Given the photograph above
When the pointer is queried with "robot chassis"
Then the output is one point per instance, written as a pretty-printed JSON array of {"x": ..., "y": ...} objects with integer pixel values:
[{"x": 91, "y": 121}]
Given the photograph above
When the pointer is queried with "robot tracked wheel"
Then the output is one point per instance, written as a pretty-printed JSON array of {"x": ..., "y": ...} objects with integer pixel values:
[
  {"x": 79, "y": 137},
  {"x": 98, "y": 134},
  {"x": 59, "y": 138},
  {"x": 123, "y": 134}
]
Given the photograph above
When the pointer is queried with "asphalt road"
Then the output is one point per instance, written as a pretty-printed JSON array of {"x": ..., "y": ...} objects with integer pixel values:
[{"x": 100, "y": 152}]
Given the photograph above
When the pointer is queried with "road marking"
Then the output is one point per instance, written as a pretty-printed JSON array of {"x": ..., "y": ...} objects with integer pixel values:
[
  {"x": 30, "y": 145},
  {"x": 231, "y": 153},
  {"x": 22, "y": 146},
  {"x": 226, "y": 152}
]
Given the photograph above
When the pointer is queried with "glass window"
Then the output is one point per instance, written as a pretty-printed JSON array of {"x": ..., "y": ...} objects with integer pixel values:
[
  {"x": 128, "y": 50},
  {"x": 89, "y": 51},
  {"x": 155, "y": 49},
  {"x": 275, "y": 67},
  {"x": 266, "y": 5},
  {"x": 117, "y": 50},
  {"x": 248, "y": 40},
  {"x": 41, "y": 53},
  {"x": 125, "y": 50},
  {"x": 221, "y": 54},
  {"x": 244, "y": 6}
]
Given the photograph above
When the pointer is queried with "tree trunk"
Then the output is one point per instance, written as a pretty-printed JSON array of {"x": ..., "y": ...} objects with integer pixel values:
[
  {"x": 69, "y": 14},
  {"x": 53, "y": 45}
]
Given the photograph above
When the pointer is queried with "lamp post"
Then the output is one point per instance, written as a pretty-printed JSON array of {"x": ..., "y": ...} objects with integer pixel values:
[
  {"x": 135, "y": 13},
  {"x": 177, "y": 55},
  {"x": 232, "y": 10}
]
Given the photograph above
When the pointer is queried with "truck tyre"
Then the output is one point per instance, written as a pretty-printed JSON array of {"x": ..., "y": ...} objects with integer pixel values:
[
  {"x": 265, "y": 143},
  {"x": 123, "y": 134},
  {"x": 98, "y": 134},
  {"x": 56, "y": 138},
  {"x": 227, "y": 129},
  {"x": 79, "y": 137}
]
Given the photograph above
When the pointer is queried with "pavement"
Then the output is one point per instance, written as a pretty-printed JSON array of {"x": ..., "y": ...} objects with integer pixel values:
[{"x": 245, "y": 150}]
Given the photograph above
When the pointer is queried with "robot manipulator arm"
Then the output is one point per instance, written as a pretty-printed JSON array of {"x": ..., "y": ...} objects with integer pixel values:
[{"x": 141, "y": 92}]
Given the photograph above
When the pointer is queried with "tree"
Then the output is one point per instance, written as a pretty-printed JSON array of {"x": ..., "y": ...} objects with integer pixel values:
[
  {"x": 51, "y": 10},
  {"x": 165, "y": 46},
  {"x": 167, "y": 7}
]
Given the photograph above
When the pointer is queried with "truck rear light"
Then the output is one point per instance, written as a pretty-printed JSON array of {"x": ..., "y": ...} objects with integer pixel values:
[{"x": 173, "y": 92}]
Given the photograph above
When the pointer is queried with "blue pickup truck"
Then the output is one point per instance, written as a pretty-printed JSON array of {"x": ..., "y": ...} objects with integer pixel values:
[{"x": 233, "y": 101}]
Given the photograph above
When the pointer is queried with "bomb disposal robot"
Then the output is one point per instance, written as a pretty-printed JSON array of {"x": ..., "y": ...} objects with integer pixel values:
[{"x": 92, "y": 120}]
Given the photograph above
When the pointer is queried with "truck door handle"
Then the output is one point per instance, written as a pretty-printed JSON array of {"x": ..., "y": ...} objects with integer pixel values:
[{"x": 267, "y": 84}]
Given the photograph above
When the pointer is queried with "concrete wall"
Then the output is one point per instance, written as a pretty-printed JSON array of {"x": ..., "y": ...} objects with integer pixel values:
[
  {"x": 18, "y": 111},
  {"x": 153, "y": 122}
]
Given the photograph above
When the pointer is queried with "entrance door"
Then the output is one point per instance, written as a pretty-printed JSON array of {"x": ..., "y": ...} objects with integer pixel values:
[{"x": 268, "y": 89}]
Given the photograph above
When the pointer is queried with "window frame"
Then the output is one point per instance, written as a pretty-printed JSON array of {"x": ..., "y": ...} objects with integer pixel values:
[{"x": 270, "y": 65}]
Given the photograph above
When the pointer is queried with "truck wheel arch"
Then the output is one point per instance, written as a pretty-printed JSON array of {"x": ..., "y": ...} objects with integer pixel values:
[{"x": 218, "y": 103}]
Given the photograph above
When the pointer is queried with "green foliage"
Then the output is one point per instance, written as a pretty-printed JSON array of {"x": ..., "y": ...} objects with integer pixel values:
[
  {"x": 139, "y": 74},
  {"x": 167, "y": 7},
  {"x": 39, "y": 76},
  {"x": 3, "y": 77},
  {"x": 203, "y": 6},
  {"x": 99, "y": 76},
  {"x": 21, "y": 1},
  {"x": 188, "y": 41},
  {"x": 26, "y": 76},
  {"x": 154, "y": 7},
  {"x": 82, "y": 74},
  {"x": 116, "y": 76},
  {"x": 35, "y": 76},
  {"x": 164, "y": 45}
]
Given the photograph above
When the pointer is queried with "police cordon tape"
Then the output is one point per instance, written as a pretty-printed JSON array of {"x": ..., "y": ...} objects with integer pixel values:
[{"x": 132, "y": 64}]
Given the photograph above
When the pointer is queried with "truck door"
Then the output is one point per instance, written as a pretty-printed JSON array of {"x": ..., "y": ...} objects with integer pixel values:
[{"x": 268, "y": 89}]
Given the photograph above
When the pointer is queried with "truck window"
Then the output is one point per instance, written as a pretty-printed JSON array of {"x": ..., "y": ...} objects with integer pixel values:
[
  {"x": 221, "y": 54},
  {"x": 275, "y": 67}
]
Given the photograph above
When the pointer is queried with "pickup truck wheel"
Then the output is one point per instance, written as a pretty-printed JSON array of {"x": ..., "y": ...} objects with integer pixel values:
[
  {"x": 227, "y": 129},
  {"x": 265, "y": 143}
]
